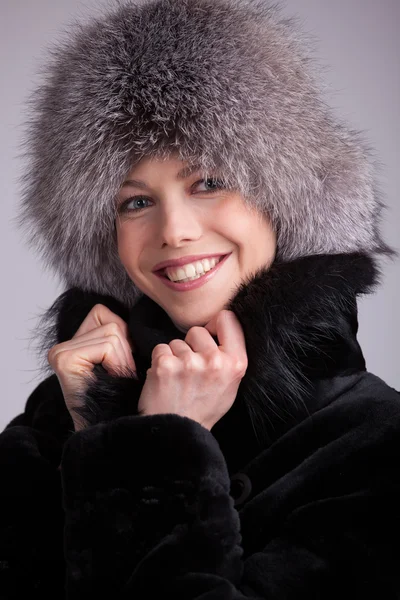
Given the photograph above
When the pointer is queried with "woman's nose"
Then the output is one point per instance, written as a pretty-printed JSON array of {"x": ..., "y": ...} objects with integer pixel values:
[{"x": 179, "y": 224}]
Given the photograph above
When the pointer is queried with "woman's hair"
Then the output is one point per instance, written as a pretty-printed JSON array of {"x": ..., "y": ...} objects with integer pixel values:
[{"x": 223, "y": 84}]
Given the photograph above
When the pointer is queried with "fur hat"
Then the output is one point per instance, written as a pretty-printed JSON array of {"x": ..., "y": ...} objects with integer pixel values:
[{"x": 223, "y": 84}]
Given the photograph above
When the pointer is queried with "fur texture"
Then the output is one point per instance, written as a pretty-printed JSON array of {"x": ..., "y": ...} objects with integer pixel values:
[
  {"x": 149, "y": 507},
  {"x": 300, "y": 324},
  {"x": 227, "y": 85}
]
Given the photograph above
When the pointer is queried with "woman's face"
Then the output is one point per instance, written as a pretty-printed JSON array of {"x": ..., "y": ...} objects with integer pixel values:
[{"x": 165, "y": 215}]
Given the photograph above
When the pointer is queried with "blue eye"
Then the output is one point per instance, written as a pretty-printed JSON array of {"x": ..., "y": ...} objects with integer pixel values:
[
  {"x": 124, "y": 205},
  {"x": 140, "y": 199},
  {"x": 217, "y": 183}
]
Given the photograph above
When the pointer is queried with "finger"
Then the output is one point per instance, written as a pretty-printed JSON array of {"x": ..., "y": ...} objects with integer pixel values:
[
  {"x": 189, "y": 358},
  {"x": 211, "y": 325},
  {"x": 82, "y": 349},
  {"x": 111, "y": 328},
  {"x": 101, "y": 315},
  {"x": 200, "y": 340},
  {"x": 160, "y": 350},
  {"x": 80, "y": 361},
  {"x": 230, "y": 335},
  {"x": 180, "y": 348},
  {"x": 111, "y": 358}
]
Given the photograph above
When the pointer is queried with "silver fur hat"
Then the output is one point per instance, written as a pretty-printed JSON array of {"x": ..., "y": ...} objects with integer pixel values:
[{"x": 224, "y": 84}]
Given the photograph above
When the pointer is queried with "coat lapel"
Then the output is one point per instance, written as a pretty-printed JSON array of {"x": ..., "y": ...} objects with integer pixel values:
[{"x": 300, "y": 324}]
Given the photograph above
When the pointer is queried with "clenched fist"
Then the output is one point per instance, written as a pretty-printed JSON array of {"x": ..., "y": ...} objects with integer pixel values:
[
  {"x": 195, "y": 377},
  {"x": 102, "y": 338}
]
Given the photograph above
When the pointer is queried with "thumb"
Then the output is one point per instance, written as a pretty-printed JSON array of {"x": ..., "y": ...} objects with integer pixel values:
[{"x": 212, "y": 324}]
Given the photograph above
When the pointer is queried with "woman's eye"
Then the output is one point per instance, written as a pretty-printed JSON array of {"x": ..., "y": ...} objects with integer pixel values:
[
  {"x": 215, "y": 183},
  {"x": 134, "y": 204},
  {"x": 138, "y": 203}
]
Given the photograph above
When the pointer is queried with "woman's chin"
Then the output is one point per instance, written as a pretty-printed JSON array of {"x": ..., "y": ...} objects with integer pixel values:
[
  {"x": 184, "y": 327},
  {"x": 194, "y": 316}
]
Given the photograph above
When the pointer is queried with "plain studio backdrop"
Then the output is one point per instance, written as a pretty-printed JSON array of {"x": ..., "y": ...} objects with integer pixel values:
[{"x": 358, "y": 41}]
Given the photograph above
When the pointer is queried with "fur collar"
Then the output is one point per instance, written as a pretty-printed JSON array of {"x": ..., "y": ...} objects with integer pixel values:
[{"x": 300, "y": 324}]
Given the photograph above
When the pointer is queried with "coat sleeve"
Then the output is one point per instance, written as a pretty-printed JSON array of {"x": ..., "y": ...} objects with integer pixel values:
[
  {"x": 31, "y": 515},
  {"x": 149, "y": 515}
]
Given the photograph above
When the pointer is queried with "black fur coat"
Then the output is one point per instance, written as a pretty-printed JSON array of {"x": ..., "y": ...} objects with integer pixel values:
[{"x": 295, "y": 492}]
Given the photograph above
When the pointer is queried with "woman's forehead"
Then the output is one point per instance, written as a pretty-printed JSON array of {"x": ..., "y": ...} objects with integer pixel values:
[{"x": 179, "y": 168}]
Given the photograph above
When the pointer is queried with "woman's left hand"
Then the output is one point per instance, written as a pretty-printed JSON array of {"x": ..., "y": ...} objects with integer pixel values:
[{"x": 195, "y": 377}]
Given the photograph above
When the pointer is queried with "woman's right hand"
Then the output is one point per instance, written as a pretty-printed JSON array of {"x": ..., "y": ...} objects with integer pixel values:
[{"x": 102, "y": 338}]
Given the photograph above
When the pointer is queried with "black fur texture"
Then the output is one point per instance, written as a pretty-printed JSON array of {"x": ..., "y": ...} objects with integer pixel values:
[
  {"x": 300, "y": 323},
  {"x": 158, "y": 506}
]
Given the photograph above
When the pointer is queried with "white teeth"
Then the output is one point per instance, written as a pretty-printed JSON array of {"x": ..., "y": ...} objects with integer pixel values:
[
  {"x": 199, "y": 267},
  {"x": 192, "y": 270},
  {"x": 208, "y": 264},
  {"x": 190, "y": 278}
]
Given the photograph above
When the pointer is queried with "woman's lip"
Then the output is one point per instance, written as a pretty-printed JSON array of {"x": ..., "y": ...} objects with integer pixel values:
[
  {"x": 191, "y": 285},
  {"x": 185, "y": 260}
]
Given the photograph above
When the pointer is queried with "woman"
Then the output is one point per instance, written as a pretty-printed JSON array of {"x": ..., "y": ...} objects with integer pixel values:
[{"x": 218, "y": 437}]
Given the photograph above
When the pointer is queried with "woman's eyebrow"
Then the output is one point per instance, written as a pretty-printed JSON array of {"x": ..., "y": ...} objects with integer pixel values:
[{"x": 182, "y": 174}]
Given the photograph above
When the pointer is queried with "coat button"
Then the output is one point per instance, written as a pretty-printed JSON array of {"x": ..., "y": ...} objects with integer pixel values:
[{"x": 240, "y": 488}]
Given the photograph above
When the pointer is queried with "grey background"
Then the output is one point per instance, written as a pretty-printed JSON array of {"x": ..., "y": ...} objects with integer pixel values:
[{"x": 357, "y": 39}]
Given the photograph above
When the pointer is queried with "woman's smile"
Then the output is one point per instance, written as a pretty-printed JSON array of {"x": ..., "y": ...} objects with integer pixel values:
[{"x": 194, "y": 281}]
